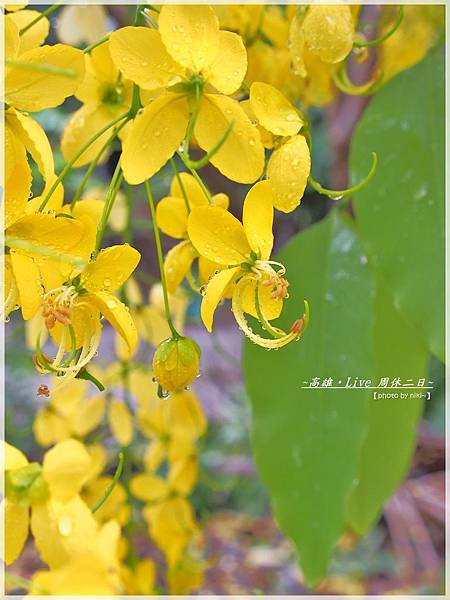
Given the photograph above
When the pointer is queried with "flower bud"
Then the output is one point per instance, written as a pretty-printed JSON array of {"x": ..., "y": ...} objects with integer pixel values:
[{"x": 176, "y": 362}]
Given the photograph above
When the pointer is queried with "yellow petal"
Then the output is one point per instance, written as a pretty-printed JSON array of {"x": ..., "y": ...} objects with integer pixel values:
[
  {"x": 118, "y": 316},
  {"x": 206, "y": 269},
  {"x": 217, "y": 235},
  {"x": 115, "y": 502},
  {"x": 148, "y": 488},
  {"x": 33, "y": 90},
  {"x": 63, "y": 530},
  {"x": 27, "y": 277},
  {"x": 57, "y": 233},
  {"x": 87, "y": 212},
  {"x": 35, "y": 140},
  {"x": 35, "y": 36},
  {"x": 16, "y": 520},
  {"x": 155, "y": 136},
  {"x": 171, "y": 215},
  {"x": 154, "y": 455},
  {"x": 273, "y": 110},
  {"x": 83, "y": 124},
  {"x": 266, "y": 136},
  {"x": 112, "y": 267},
  {"x": 190, "y": 34},
  {"x": 177, "y": 263},
  {"x": 288, "y": 170},
  {"x": 49, "y": 428},
  {"x": 145, "y": 577},
  {"x": 270, "y": 307},
  {"x": 87, "y": 416},
  {"x": 85, "y": 23},
  {"x": 172, "y": 526},
  {"x": 214, "y": 293},
  {"x": 17, "y": 178},
  {"x": 66, "y": 400},
  {"x": 195, "y": 194},
  {"x": 12, "y": 39},
  {"x": 120, "y": 422},
  {"x": 187, "y": 420},
  {"x": 13, "y": 457},
  {"x": 329, "y": 31},
  {"x": 183, "y": 474},
  {"x": 230, "y": 65},
  {"x": 258, "y": 218},
  {"x": 141, "y": 56},
  {"x": 241, "y": 158},
  {"x": 64, "y": 469}
]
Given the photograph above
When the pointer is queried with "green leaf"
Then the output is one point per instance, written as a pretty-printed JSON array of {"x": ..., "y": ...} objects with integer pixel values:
[
  {"x": 390, "y": 440},
  {"x": 306, "y": 441},
  {"x": 400, "y": 213}
]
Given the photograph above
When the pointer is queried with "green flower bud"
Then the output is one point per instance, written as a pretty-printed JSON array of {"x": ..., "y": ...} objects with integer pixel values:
[
  {"x": 26, "y": 485},
  {"x": 176, "y": 363}
]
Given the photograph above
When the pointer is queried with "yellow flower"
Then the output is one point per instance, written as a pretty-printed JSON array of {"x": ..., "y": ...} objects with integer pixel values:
[
  {"x": 172, "y": 215},
  {"x": 73, "y": 310},
  {"x": 290, "y": 163},
  {"x": 69, "y": 413},
  {"x": 169, "y": 515},
  {"x": 120, "y": 421},
  {"x": 191, "y": 59},
  {"x": 105, "y": 95},
  {"x": 245, "y": 251}
]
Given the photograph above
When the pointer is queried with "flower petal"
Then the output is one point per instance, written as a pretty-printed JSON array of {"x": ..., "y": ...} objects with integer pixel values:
[
  {"x": 258, "y": 218},
  {"x": 195, "y": 194},
  {"x": 288, "y": 170},
  {"x": 27, "y": 277},
  {"x": 56, "y": 233},
  {"x": 177, "y": 263},
  {"x": 329, "y": 31},
  {"x": 13, "y": 457},
  {"x": 64, "y": 468},
  {"x": 120, "y": 422},
  {"x": 241, "y": 158},
  {"x": 154, "y": 137},
  {"x": 16, "y": 521},
  {"x": 33, "y": 37},
  {"x": 214, "y": 293},
  {"x": 117, "y": 314},
  {"x": 112, "y": 267},
  {"x": 273, "y": 110},
  {"x": 17, "y": 178},
  {"x": 230, "y": 65},
  {"x": 142, "y": 57},
  {"x": 82, "y": 125},
  {"x": 190, "y": 34},
  {"x": 172, "y": 215},
  {"x": 217, "y": 235},
  {"x": 270, "y": 307},
  {"x": 149, "y": 488},
  {"x": 12, "y": 39},
  {"x": 31, "y": 90}
]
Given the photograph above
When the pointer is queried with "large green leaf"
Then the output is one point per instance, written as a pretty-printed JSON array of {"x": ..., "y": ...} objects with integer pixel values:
[
  {"x": 401, "y": 213},
  {"x": 390, "y": 440},
  {"x": 307, "y": 441}
]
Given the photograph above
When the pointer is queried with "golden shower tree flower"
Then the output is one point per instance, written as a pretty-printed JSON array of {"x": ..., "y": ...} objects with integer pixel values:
[
  {"x": 73, "y": 310},
  {"x": 176, "y": 363},
  {"x": 105, "y": 95},
  {"x": 289, "y": 165},
  {"x": 194, "y": 66},
  {"x": 172, "y": 215},
  {"x": 244, "y": 249}
]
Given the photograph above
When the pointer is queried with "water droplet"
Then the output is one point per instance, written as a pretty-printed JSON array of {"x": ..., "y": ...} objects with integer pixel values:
[
  {"x": 65, "y": 526},
  {"x": 107, "y": 282}
]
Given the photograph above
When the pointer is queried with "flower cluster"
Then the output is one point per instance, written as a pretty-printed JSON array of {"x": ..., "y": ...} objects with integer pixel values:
[{"x": 180, "y": 89}]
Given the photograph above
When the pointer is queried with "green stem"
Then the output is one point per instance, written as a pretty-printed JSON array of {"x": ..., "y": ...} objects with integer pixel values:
[
  {"x": 159, "y": 252},
  {"x": 383, "y": 38},
  {"x": 109, "y": 201},
  {"x": 95, "y": 44},
  {"x": 197, "y": 178},
  {"x": 74, "y": 159},
  {"x": 110, "y": 487},
  {"x": 149, "y": 19},
  {"x": 202, "y": 162},
  {"x": 48, "y": 11},
  {"x": 274, "y": 332},
  {"x": 14, "y": 581},
  {"x": 339, "y": 194},
  {"x": 181, "y": 184},
  {"x": 193, "y": 118},
  {"x": 93, "y": 164}
]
